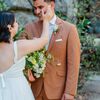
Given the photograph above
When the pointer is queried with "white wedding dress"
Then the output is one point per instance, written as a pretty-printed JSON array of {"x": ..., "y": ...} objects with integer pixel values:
[{"x": 13, "y": 84}]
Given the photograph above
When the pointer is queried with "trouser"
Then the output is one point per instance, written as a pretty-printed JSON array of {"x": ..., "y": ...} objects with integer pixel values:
[{"x": 43, "y": 96}]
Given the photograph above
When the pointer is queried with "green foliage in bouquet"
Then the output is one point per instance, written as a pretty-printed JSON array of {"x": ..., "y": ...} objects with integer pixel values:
[{"x": 36, "y": 62}]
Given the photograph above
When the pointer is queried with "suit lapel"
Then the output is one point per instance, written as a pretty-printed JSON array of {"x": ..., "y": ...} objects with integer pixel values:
[
  {"x": 51, "y": 42},
  {"x": 53, "y": 37}
]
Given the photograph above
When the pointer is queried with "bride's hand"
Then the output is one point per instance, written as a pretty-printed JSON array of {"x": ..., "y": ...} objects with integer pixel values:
[{"x": 48, "y": 15}]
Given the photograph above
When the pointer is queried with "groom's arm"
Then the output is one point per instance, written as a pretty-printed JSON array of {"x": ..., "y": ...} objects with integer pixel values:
[
  {"x": 73, "y": 62},
  {"x": 28, "y": 32}
]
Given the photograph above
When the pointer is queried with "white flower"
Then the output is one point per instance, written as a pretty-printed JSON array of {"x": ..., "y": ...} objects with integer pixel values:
[
  {"x": 40, "y": 70},
  {"x": 43, "y": 67},
  {"x": 55, "y": 29},
  {"x": 41, "y": 57},
  {"x": 36, "y": 75},
  {"x": 36, "y": 66},
  {"x": 37, "y": 62}
]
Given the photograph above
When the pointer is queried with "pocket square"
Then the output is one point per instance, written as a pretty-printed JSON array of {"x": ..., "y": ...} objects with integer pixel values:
[{"x": 58, "y": 40}]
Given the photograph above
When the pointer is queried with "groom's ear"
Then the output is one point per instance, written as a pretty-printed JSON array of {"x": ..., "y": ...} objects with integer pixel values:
[{"x": 52, "y": 4}]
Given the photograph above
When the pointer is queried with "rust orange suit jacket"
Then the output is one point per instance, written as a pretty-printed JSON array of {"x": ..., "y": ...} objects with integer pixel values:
[{"x": 61, "y": 74}]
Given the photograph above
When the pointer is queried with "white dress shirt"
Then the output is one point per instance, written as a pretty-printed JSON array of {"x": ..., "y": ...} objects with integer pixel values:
[{"x": 52, "y": 24}]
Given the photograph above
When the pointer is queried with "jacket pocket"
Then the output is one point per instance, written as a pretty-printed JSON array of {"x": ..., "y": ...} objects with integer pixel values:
[{"x": 60, "y": 73}]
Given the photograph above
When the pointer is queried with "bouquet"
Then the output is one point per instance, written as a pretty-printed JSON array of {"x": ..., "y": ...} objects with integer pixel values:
[{"x": 36, "y": 62}]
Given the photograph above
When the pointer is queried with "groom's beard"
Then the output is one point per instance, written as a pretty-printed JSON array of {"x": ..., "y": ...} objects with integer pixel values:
[{"x": 39, "y": 16}]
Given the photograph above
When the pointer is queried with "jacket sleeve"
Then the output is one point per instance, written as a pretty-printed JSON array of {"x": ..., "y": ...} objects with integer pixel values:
[{"x": 73, "y": 61}]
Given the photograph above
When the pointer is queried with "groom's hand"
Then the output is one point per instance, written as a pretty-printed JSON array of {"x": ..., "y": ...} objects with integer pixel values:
[{"x": 67, "y": 97}]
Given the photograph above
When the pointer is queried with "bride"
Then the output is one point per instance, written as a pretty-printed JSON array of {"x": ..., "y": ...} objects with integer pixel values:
[{"x": 13, "y": 84}]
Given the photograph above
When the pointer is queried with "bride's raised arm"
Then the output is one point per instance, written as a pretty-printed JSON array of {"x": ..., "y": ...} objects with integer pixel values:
[{"x": 28, "y": 46}]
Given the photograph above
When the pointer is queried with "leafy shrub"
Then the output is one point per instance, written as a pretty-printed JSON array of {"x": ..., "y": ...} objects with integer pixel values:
[{"x": 3, "y": 6}]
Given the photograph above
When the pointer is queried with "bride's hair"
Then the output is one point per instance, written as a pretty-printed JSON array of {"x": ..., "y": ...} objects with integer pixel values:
[{"x": 6, "y": 18}]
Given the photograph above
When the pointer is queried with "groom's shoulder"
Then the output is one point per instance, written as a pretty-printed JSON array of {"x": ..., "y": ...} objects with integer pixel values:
[
  {"x": 32, "y": 24},
  {"x": 66, "y": 23},
  {"x": 69, "y": 24}
]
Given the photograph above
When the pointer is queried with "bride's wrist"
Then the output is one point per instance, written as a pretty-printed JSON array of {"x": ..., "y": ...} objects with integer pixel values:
[{"x": 45, "y": 21}]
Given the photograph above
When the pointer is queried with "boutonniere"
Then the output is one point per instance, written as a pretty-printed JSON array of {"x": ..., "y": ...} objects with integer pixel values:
[{"x": 55, "y": 30}]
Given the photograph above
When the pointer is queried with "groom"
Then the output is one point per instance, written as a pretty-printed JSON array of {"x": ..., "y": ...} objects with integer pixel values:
[{"x": 61, "y": 74}]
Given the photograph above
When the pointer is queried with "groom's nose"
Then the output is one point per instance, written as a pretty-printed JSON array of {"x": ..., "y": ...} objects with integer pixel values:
[{"x": 38, "y": 11}]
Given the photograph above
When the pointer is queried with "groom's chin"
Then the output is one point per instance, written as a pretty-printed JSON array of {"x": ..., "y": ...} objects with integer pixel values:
[{"x": 40, "y": 18}]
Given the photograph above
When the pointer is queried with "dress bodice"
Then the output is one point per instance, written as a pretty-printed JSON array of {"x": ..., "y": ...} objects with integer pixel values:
[
  {"x": 13, "y": 83},
  {"x": 16, "y": 70}
]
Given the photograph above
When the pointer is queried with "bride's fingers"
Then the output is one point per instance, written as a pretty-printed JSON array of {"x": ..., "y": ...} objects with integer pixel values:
[
  {"x": 48, "y": 13},
  {"x": 42, "y": 12},
  {"x": 49, "y": 10}
]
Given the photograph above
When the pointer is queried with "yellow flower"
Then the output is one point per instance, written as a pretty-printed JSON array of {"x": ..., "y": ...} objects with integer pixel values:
[{"x": 32, "y": 60}]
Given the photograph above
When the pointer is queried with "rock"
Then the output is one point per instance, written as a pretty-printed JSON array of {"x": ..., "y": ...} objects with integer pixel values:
[
  {"x": 18, "y": 3},
  {"x": 94, "y": 96},
  {"x": 22, "y": 9},
  {"x": 91, "y": 89},
  {"x": 67, "y": 7},
  {"x": 97, "y": 42},
  {"x": 92, "y": 86},
  {"x": 24, "y": 18}
]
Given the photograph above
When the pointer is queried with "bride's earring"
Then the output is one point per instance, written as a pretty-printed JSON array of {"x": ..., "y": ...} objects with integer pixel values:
[{"x": 9, "y": 27}]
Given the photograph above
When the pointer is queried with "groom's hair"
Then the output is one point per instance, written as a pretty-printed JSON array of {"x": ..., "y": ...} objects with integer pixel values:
[
  {"x": 46, "y": 0},
  {"x": 49, "y": 0}
]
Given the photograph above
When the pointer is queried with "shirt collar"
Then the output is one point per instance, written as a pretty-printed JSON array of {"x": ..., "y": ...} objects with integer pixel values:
[{"x": 53, "y": 20}]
